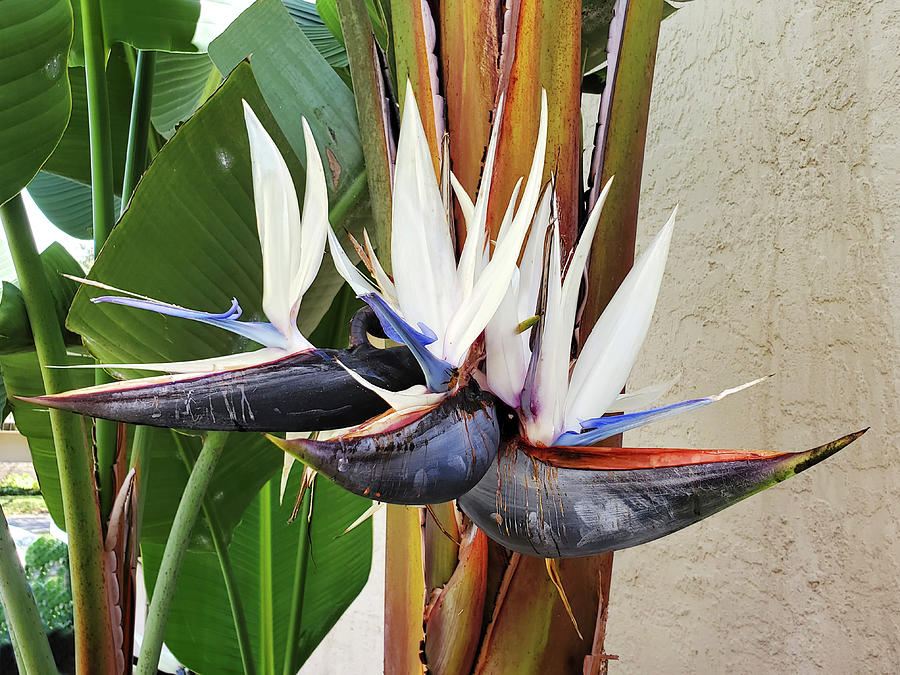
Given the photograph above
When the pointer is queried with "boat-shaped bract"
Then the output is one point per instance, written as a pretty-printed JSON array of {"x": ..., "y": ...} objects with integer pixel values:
[
  {"x": 534, "y": 501},
  {"x": 423, "y": 456},
  {"x": 306, "y": 391}
]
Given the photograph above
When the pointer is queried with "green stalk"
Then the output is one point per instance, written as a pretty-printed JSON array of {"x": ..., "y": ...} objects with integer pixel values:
[
  {"x": 32, "y": 648},
  {"x": 176, "y": 546},
  {"x": 92, "y": 628},
  {"x": 302, "y": 562},
  {"x": 221, "y": 547},
  {"x": 103, "y": 206},
  {"x": 266, "y": 588},
  {"x": 360, "y": 42},
  {"x": 139, "y": 126}
]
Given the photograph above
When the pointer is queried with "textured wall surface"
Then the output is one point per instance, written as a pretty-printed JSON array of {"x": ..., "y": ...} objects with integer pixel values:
[{"x": 774, "y": 125}]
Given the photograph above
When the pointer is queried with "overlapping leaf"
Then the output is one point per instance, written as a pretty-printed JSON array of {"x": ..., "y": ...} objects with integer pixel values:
[{"x": 35, "y": 98}]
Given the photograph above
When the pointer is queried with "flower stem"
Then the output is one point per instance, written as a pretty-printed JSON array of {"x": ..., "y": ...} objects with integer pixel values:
[
  {"x": 176, "y": 546},
  {"x": 302, "y": 562},
  {"x": 32, "y": 648},
  {"x": 139, "y": 126},
  {"x": 221, "y": 547},
  {"x": 266, "y": 587},
  {"x": 92, "y": 628},
  {"x": 103, "y": 207}
]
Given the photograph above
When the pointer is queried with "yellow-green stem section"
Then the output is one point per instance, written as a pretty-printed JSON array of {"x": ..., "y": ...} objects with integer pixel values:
[
  {"x": 93, "y": 647},
  {"x": 360, "y": 42},
  {"x": 176, "y": 546},
  {"x": 102, "y": 200},
  {"x": 32, "y": 649},
  {"x": 266, "y": 611}
]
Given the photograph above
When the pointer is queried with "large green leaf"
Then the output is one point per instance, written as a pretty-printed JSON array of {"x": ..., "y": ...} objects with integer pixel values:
[
  {"x": 161, "y": 25},
  {"x": 189, "y": 237},
  {"x": 180, "y": 85},
  {"x": 72, "y": 157},
  {"x": 248, "y": 461},
  {"x": 200, "y": 628},
  {"x": 66, "y": 203},
  {"x": 15, "y": 329},
  {"x": 35, "y": 99},
  {"x": 306, "y": 15},
  {"x": 296, "y": 81}
]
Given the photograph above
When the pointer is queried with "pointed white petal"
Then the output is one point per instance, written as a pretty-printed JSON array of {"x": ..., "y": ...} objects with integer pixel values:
[
  {"x": 278, "y": 223},
  {"x": 424, "y": 263},
  {"x": 506, "y": 360},
  {"x": 315, "y": 222},
  {"x": 285, "y": 472},
  {"x": 368, "y": 513},
  {"x": 214, "y": 364},
  {"x": 416, "y": 396},
  {"x": 465, "y": 202},
  {"x": 552, "y": 368},
  {"x": 384, "y": 281},
  {"x": 490, "y": 287},
  {"x": 575, "y": 271},
  {"x": 640, "y": 399},
  {"x": 616, "y": 339},
  {"x": 476, "y": 228},
  {"x": 532, "y": 265},
  {"x": 359, "y": 284}
]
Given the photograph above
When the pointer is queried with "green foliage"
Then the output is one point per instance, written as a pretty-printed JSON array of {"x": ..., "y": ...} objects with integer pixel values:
[
  {"x": 47, "y": 570},
  {"x": 19, "y": 484},
  {"x": 265, "y": 542},
  {"x": 34, "y": 92}
]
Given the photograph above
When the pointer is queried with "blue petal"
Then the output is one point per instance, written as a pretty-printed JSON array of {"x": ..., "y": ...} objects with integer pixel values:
[
  {"x": 597, "y": 429},
  {"x": 264, "y": 333},
  {"x": 438, "y": 372}
]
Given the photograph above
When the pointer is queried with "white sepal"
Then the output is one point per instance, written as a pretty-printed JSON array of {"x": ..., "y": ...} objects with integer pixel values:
[
  {"x": 616, "y": 338},
  {"x": 278, "y": 223}
]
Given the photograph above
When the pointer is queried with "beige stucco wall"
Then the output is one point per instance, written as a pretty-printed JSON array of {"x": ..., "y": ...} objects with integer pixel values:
[{"x": 774, "y": 125}]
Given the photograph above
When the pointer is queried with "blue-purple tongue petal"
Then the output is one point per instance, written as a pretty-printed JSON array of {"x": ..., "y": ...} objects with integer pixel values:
[
  {"x": 600, "y": 428},
  {"x": 264, "y": 333},
  {"x": 438, "y": 372}
]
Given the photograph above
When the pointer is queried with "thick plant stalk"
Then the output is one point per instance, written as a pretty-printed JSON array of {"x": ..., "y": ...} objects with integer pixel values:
[
  {"x": 94, "y": 642},
  {"x": 103, "y": 206},
  {"x": 176, "y": 546},
  {"x": 32, "y": 648},
  {"x": 360, "y": 42}
]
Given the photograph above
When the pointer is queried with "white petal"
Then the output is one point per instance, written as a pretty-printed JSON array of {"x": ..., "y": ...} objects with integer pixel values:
[
  {"x": 424, "y": 262},
  {"x": 359, "y": 284},
  {"x": 315, "y": 224},
  {"x": 416, "y": 396},
  {"x": 278, "y": 223},
  {"x": 575, "y": 271},
  {"x": 616, "y": 339},
  {"x": 506, "y": 360},
  {"x": 476, "y": 229},
  {"x": 633, "y": 401},
  {"x": 384, "y": 281},
  {"x": 490, "y": 287},
  {"x": 214, "y": 364},
  {"x": 532, "y": 265},
  {"x": 552, "y": 368}
]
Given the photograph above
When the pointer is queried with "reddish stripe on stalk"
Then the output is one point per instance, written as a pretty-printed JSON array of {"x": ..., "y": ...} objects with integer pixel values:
[
  {"x": 411, "y": 54},
  {"x": 470, "y": 52},
  {"x": 547, "y": 55},
  {"x": 623, "y": 459}
]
